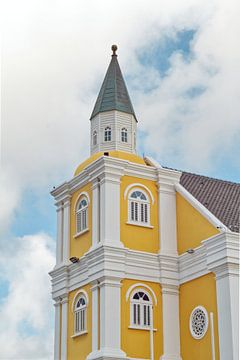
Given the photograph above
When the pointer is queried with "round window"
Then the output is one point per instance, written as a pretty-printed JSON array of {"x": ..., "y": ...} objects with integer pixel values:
[{"x": 198, "y": 322}]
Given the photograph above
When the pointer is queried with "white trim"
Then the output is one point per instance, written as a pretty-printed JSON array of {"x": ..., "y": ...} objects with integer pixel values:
[
  {"x": 137, "y": 186},
  {"x": 64, "y": 328},
  {"x": 212, "y": 336},
  {"x": 146, "y": 328},
  {"x": 81, "y": 232},
  {"x": 194, "y": 335},
  {"x": 57, "y": 330},
  {"x": 83, "y": 193},
  {"x": 81, "y": 291},
  {"x": 142, "y": 224},
  {"x": 140, "y": 286},
  {"x": 79, "y": 334},
  {"x": 200, "y": 208}
]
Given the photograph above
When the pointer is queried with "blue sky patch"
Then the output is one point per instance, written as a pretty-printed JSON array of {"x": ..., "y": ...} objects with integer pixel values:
[
  {"x": 35, "y": 214},
  {"x": 158, "y": 54}
]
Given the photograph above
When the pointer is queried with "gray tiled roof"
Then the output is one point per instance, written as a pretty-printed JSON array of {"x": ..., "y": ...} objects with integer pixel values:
[
  {"x": 221, "y": 198},
  {"x": 113, "y": 94}
]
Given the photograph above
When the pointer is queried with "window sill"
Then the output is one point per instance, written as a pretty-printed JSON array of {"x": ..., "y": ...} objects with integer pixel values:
[
  {"x": 79, "y": 334},
  {"x": 81, "y": 233},
  {"x": 140, "y": 328},
  {"x": 139, "y": 224}
]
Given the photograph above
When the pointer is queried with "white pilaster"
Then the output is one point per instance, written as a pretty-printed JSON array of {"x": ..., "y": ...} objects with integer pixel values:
[
  {"x": 95, "y": 290},
  {"x": 66, "y": 229},
  {"x": 64, "y": 328},
  {"x": 57, "y": 330},
  {"x": 223, "y": 259},
  {"x": 110, "y": 209},
  {"x": 59, "y": 245},
  {"x": 110, "y": 319},
  {"x": 167, "y": 211},
  {"x": 95, "y": 212},
  {"x": 171, "y": 331}
]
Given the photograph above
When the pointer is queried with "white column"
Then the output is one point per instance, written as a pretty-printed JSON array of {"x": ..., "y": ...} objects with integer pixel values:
[
  {"x": 66, "y": 229},
  {"x": 95, "y": 212},
  {"x": 59, "y": 244},
  {"x": 171, "y": 331},
  {"x": 223, "y": 259},
  {"x": 64, "y": 328},
  {"x": 94, "y": 353},
  {"x": 110, "y": 318},
  {"x": 227, "y": 283},
  {"x": 110, "y": 209},
  {"x": 57, "y": 330},
  {"x": 167, "y": 218}
]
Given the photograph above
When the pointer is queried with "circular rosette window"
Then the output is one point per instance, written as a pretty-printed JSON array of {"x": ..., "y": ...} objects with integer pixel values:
[{"x": 198, "y": 322}]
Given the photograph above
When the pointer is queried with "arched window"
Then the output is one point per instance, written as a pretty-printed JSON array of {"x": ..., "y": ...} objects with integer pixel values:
[
  {"x": 124, "y": 135},
  {"x": 82, "y": 215},
  {"x": 139, "y": 208},
  {"x": 80, "y": 315},
  {"x": 107, "y": 134},
  {"x": 94, "y": 138},
  {"x": 141, "y": 309}
]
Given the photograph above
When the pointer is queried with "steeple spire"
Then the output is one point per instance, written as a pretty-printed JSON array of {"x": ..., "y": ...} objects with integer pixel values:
[{"x": 113, "y": 94}]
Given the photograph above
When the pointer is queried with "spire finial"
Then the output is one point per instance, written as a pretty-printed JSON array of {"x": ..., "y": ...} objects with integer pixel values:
[{"x": 114, "y": 49}]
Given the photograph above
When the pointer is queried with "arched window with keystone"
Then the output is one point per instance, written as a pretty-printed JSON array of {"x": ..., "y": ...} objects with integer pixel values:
[
  {"x": 82, "y": 215},
  {"x": 80, "y": 314},
  {"x": 139, "y": 207}
]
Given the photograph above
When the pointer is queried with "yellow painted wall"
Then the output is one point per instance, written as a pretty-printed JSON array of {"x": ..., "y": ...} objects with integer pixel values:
[
  {"x": 192, "y": 227},
  {"x": 201, "y": 291},
  {"x": 82, "y": 243},
  {"x": 138, "y": 237},
  {"x": 79, "y": 347},
  {"x": 136, "y": 343}
]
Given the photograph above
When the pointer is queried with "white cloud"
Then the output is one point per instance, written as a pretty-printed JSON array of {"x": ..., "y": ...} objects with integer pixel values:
[{"x": 26, "y": 327}]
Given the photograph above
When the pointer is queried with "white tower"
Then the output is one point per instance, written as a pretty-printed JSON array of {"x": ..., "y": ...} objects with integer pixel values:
[{"x": 113, "y": 121}]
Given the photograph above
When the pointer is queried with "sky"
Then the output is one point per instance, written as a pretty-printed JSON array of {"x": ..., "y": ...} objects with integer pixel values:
[{"x": 180, "y": 60}]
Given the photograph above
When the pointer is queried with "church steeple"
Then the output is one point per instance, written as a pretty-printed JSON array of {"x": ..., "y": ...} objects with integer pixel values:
[
  {"x": 113, "y": 94},
  {"x": 113, "y": 120}
]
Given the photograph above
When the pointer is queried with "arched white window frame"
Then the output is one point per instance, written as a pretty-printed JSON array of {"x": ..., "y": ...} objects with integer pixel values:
[
  {"x": 124, "y": 135},
  {"x": 138, "y": 207},
  {"x": 141, "y": 310},
  {"x": 107, "y": 134},
  {"x": 82, "y": 213},
  {"x": 80, "y": 312},
  {"x": 94, "y": 139}
]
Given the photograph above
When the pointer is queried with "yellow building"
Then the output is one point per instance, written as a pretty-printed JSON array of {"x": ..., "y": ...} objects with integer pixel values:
[{"x": 147, "y": 257}]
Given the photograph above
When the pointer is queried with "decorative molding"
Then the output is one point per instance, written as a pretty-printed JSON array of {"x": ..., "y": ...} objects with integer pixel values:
[
  {"x": 138, "y": 286},
  {"x": 81, "y": 291},
  {"x": 138, "y": 186},
  {"x": 83, "y": 193}
]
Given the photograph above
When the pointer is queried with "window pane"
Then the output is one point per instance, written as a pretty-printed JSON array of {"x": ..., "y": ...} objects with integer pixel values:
[
  {"x": 138, "y": 314},
  {"x": 142, "y": 212},
  {"x": 136, "y": 296},
  {"x": 134, "y": 313},
  {"x": 136, "y": 211},
  {"x": 148, "y": 322},
  {"x": 144, "y": 315},
  {"x": 132, "y": 210},
  {"x": 146, "y": 213}
]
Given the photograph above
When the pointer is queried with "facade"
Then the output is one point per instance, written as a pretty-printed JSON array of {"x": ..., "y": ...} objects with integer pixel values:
[{"x": 147, "y": 257}]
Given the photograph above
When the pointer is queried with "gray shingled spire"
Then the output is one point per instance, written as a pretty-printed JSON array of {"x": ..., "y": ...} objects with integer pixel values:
[{"x": 113, "y": 94}]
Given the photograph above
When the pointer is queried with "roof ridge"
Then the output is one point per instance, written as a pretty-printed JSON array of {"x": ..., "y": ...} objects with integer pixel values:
[{"x": 206, "y": 176}]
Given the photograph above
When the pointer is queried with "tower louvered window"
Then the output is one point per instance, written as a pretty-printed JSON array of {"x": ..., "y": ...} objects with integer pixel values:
[
  {"x": 141, "y": 310},
  {"x": 107, "y": 134},
  {"x": 80, "y": 315},
  {"x": 124, "y": 135},
  {"x": 82, "y": 215},
  {"x": 139, "y": 208}
]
